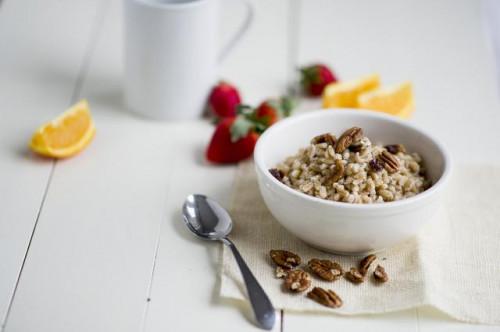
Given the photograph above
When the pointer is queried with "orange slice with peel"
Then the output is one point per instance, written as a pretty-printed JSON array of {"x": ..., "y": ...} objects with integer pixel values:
[
  {"x": 396, "y": 100},
  {"x": 345, "y": 94},
  {"x": 66, "y": 135}
]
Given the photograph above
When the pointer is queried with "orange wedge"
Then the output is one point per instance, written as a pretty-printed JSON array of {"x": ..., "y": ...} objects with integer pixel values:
[
  {"x": 396, "y": 100},
  {"x": 345, "y": 94},
  {"x": 66, "y": 135}
]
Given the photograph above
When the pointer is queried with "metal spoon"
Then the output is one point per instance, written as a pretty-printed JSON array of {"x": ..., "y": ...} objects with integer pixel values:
[{"x": 209, "y": 221}]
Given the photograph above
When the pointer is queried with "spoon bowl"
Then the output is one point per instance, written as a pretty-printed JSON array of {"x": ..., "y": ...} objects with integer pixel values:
[{"x": 206, "y": 218}]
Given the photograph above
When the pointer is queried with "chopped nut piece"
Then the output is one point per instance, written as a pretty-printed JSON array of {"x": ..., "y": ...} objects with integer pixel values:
[
  {"x": 391, "y": 163},
  {"x": 350, "y": 136},
  {"x": 395, "y": 148},
  {"x": 365, "y": 263},
  {"x": 354, "y": 276},
  {"x": 326, "y": 269},
  {"x": 297, "y": 280},
  {"x": 338, "y": 172},
  {"x": 380, "y": 275},
  {"x": 325, "y": 138},
  {"x": 325, "y": 297},
  {"x": 278, "y": 175},
  {"x": 280, "y": 272},
  {"x": 286, "y": 259}
]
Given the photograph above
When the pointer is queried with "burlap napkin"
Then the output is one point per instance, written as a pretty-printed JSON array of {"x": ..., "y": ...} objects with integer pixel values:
[{"x": 453, "y": 265}]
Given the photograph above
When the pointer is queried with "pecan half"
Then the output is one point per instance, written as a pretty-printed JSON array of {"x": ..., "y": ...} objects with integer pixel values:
[
  {"x": 325, "y": 138},
  {"x": 343, "y": 143},
  {"x": 297, "y": 280},
  {"x": 326, "y": 269},
  {"x": 286, "y": 259},
  {"x": 395, "y": 148},
  {"x": 350, "y": 136},
  {"x": 354, "y": 276},
  {"x": 380, "y": 275},
  {"x": 278, "y": 175},
  {"x": 365, "y": 263},
  {"x": 391, "y": 163},
  {"x": 356, "y": 133},
  {"x": 325, "y": 297},
  {"x": 338, "y": 172}
]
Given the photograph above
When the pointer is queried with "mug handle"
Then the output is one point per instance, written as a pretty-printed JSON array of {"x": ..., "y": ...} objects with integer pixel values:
[{"x": 242, "y": 29}]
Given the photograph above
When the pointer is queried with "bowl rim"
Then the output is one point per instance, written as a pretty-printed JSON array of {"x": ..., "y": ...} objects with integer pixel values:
[{"x": 443, "y": 179}]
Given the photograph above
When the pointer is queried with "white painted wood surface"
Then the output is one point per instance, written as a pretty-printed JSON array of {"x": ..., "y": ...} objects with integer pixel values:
[
  {"x": 109, "y": 252},
  {"x": 40, "y": 57}
]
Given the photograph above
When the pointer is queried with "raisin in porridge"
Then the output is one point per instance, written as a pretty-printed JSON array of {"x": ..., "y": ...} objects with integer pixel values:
[{"x": 354, "y": 170}]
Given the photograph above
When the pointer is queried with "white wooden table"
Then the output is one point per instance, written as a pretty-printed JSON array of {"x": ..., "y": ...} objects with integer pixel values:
[{"x": 96, "y": 243}]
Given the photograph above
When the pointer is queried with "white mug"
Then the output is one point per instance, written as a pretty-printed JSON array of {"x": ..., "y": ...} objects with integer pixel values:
[{"x": 171, "y": 56}]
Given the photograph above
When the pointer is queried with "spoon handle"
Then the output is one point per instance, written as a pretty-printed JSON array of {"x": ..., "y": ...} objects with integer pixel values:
[{"x": 262, "y": 306}]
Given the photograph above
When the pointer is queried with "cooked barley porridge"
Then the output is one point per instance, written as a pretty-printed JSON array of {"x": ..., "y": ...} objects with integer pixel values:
[{"x": 354, "y": 170}]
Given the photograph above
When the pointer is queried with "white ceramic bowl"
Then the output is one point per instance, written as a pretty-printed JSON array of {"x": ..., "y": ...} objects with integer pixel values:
[{"x": 342, "y": 227}]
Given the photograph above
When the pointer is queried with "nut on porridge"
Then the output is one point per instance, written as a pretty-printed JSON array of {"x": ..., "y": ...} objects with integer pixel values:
[{"x": 352, "y": 169}]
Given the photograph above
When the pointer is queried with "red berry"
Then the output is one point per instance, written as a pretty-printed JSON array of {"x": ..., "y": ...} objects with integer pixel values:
[
  {"x": 315, "y": 78},
  {"x": 267, "y": 113},
  {"x": 223, "y": 100},
  {"x": 225, "y": 147},
  {"x": 271, "y": 110}
]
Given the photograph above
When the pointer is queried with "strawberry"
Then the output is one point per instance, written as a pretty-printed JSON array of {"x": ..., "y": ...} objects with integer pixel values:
[
  {"x": 315, "y": 78},
  {"x": 235, "y": 137},
  {"x": 223, "y": 100},
  {"x": 269, "y": 111},
  {"x": 233, "y": 140}
]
